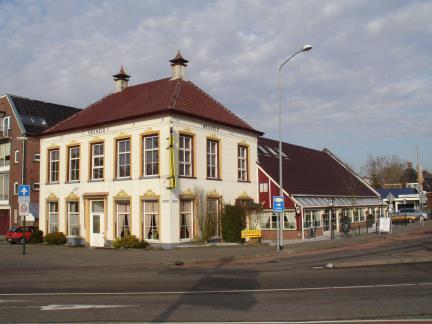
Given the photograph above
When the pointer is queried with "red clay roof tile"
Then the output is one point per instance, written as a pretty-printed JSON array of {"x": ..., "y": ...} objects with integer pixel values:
[{"x": 159, "y": 97}]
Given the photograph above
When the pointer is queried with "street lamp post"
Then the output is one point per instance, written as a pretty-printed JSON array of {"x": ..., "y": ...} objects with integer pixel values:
[
  {"x": 305, "y": 48},
  {"x": 23, "y": 180}
]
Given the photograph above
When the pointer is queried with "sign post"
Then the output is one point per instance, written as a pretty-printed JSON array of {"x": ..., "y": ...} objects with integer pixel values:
[
  {"x": 23, "y": 208},
  {"x": 279, "y": 207}
]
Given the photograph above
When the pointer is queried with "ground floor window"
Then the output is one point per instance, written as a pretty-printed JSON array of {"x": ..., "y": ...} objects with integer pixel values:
[
  {"x": 289, "y": 220},
  {"x": 73, "y": 218},
  {"x": 312, "y": 218},
  {"x": 186, "y": 219},
  {"x": 269, "y": 220},
  {"x": 362, "y": 215},
  {"x": 327, "y": 221},
  {"x": 123, "y": 219},
  {"x": 53, "y": 217},
  {"x": 151, "y": 220}
]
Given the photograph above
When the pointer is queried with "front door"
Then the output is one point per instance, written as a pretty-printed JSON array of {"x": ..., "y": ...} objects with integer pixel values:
[
  {"x": 327, "y": 221},
  {"x": 97, "y": 223}
]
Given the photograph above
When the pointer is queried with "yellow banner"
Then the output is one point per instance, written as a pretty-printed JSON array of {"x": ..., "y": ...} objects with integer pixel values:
[{"x": 250, "y": 233}]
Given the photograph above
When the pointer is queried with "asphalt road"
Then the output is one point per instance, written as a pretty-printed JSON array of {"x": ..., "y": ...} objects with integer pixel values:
[{"x": 288, "y": 289}]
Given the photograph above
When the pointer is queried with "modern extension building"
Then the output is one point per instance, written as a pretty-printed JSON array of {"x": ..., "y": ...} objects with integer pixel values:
[
  {"x": 137, "y": 160},
  {"x": 318, "y": 189},
  {"x": 22, "y": 120}
]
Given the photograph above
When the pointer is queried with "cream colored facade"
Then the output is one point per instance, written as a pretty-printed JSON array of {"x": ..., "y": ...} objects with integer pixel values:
[{"x": 138, "y": 188}]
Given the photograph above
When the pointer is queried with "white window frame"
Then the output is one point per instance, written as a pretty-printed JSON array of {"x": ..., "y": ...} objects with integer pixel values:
[
  {"x": 126, "y": 153},
  {"x": 186, "y": 153},
  {"x": 212, "y": 159},
  {"x": 36, "y": 186},
  {"x": 263, "y": 186},
  {"x": 36, "y": 157},
  {"x": 312, "y": 218},
  {"x": 186, "y": 214},
  {"x": 53, "y": 217},
  {"x": 16, "y": 184},
  {"x": 73, "y": 218},
  {"x": 5, "y": 153},
  {"x": 151, "y": 155},
  {"x": 74, "y": 164},
  {"x": 6, "y": 125},
  {"x": 17, "y": 156},
  {"x": 121, "y": 228},
  {"x": 54, "y": 162},
  {"x": 242, "y": 166},
  {"x": 151, "y": 231},
  {"x": 289, "y": 223},
  {"x": 4, "y": 186},
  {"x": 97, "y": 157}
]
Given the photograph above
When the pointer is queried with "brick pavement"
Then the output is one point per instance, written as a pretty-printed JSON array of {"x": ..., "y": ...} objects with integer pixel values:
[{"x": 43, "y": 257}]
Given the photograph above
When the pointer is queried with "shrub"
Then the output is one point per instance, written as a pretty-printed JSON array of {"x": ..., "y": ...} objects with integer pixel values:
[
  {"x": 55, "y": 238},
  {"x": 129, "y": 242},
  {"x": 36, "y": 237},
  {"x": 233, "y": 221}
]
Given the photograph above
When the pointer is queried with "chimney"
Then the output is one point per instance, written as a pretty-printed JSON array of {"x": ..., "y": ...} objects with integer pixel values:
[
  {"x": 178, "y": 65},
  {"x": 121, "y": 80}
]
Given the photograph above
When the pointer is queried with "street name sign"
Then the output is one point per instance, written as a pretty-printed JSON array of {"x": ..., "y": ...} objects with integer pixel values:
[{"x": 278, "y": 204}]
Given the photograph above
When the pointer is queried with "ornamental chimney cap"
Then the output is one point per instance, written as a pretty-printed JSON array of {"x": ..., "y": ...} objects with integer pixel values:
[
  {"x": 121, "y": 75},
  {"x": 179, "y": 60}
]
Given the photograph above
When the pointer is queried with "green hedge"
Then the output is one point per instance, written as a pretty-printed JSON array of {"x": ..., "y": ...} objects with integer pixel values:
[
  {"x": 55, "y": 238},
  {"x": 36, "y": 237},
  {"x": 129, "y": 242},
  {"x": 233, "y": 222}
]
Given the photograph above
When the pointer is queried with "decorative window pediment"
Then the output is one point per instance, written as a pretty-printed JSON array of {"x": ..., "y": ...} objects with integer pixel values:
[
  {"x": 213, "y": 194},
  {"x": 187, "y": 194},
  {"x": 72, "y": 197},
  {"x": 150, "y": 194},
  {"x": 121, "y": 195},
  {"x": 52, "y": 197}
]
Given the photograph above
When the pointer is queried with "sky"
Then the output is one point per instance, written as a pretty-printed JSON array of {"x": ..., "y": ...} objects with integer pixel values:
[{"x": 365, "y": 89}]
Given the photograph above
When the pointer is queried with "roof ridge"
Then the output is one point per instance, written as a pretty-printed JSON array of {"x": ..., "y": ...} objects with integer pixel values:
[
  {"x": 219, "y": 103},
  {"x": 175, "y": 95}
]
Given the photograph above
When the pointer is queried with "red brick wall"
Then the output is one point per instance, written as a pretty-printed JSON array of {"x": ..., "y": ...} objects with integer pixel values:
[{"x": 31, "y": 167}]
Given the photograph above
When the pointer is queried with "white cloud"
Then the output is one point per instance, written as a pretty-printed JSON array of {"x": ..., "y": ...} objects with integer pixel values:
[{"x": 367, "y": 77}]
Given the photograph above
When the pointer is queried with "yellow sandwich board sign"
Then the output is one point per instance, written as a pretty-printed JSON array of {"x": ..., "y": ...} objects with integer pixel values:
[{"x": 250, "y": 233}]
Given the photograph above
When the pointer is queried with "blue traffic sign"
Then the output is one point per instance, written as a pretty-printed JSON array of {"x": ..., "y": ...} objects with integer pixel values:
[
  {"x": 23, "y": 191},
  {"x": 278, "y": 204}
]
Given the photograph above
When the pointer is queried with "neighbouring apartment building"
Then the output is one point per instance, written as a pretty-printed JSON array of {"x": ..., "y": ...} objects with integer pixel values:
[
  {"x": 318, "y": 189},
  {"x": 137, "y": 161},
  {"x": 22, "y": 120}
]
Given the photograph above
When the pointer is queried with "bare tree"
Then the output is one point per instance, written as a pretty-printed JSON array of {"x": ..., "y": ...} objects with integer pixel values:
[
  {"x": 383, "y": 170},
  {"x": 206, "y": 224}
]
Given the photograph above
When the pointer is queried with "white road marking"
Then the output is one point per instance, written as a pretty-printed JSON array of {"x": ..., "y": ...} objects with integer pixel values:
[
  {"x": 233, "y": 291},
  {"x": 79, "y": 306},
  {"x": 3, "y": 301}
]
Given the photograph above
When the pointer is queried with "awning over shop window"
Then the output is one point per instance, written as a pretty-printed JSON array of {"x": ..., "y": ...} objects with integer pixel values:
[{"x": 323, "y": 202}]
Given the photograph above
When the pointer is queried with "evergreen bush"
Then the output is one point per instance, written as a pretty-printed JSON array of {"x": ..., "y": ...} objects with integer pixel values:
[
  {"x": 233, "y": 222},
  {"x": 55, "y": 238},
  {"x": 36, "y": 237},
  {"x": 129, "y": 242}
]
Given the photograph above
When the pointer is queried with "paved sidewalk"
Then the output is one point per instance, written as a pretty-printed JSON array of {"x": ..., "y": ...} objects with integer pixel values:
[{"x": 44, "y": 257}]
